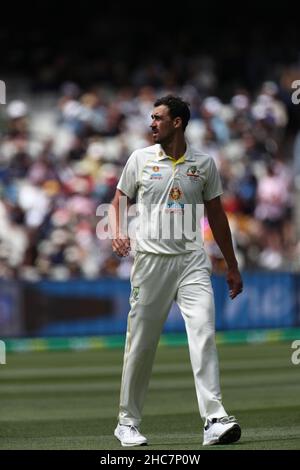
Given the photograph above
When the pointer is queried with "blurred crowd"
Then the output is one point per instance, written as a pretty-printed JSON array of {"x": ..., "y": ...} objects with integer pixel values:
[{"x": 57, "y": 166}]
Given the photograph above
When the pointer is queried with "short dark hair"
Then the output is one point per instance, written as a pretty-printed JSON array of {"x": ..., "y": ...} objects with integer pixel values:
[{"x": 177, "y": 108}]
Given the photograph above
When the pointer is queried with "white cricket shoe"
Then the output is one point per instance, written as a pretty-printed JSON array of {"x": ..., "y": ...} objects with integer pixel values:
[
  {"x": 129, "y": 436},
  {"x": 221, "y": 431}
]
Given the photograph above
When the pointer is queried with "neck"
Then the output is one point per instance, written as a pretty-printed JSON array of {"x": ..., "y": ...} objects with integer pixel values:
[{"x": 176, "y": 148}]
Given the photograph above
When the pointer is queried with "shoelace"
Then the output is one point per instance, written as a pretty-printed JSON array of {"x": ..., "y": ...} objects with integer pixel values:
[
  {"x": 224, "y": 420},
  {"x": 131, "y": 429},
  {"x": 227, "y": 419}
]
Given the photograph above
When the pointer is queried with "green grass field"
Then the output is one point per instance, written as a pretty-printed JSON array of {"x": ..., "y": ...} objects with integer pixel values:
[{"x": 69, "y": 400}]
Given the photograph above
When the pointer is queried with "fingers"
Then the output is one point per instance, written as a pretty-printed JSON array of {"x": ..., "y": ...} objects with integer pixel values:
[
  {"x": 121, "y": 250},
  {"x": 235, "y": 285},
  {"x": 121, "y": 246},
  {"x": 235, "y": 291}
]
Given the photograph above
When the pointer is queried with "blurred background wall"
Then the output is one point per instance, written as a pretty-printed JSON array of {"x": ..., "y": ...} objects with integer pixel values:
[{"x": 80, "y": 86}]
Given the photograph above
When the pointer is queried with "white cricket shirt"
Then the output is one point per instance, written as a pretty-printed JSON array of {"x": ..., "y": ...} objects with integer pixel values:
[{"x": 170, "y": 196}]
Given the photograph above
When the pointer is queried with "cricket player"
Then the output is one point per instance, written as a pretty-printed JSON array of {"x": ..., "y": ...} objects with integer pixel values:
[{"x": 169, "y": 180}]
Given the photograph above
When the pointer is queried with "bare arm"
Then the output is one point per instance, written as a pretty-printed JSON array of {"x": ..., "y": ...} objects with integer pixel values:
[
  {"x": 120, "y": 240},
  {"x": 220, "y": 228}
]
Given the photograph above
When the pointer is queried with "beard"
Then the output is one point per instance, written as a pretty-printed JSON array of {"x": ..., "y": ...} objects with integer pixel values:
[{"x": 164, "y": 139}]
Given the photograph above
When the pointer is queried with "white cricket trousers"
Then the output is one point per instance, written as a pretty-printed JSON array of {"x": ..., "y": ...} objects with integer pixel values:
[{"x": 158, "y": 280}]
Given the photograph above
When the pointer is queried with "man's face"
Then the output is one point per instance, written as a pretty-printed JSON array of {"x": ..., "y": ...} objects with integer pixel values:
[{"x": 162, "y": 125}]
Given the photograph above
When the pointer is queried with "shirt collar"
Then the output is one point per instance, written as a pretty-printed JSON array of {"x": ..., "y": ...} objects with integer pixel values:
[{"x": 189, "y": 154}]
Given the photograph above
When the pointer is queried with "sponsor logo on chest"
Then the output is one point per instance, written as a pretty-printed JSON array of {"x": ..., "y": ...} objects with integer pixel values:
[{"x": 156, "y": 175}]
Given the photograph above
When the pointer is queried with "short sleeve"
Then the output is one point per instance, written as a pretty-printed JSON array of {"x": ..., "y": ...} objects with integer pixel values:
[
  {"x": 213, "y": 186},
  {"x": 129, "y": 181}
]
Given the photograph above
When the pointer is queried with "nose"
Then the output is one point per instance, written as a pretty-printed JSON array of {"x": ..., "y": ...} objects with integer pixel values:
[{"x": 152, "y": 125}]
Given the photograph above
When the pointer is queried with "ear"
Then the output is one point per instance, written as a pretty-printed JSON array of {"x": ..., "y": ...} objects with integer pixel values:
[{"x": 177, "y": 122}]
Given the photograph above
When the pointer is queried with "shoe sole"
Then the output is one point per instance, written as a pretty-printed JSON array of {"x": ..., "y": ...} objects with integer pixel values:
[
  {"x": 133, "y": 445},
  {"x": 232, "y": 435},
  {"x": 124, "y": 444}
]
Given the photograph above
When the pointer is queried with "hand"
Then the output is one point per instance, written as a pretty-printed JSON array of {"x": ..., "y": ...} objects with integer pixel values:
[
  {"x": 121, "y": 246},
  {"x": 235, "y": 282}
]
